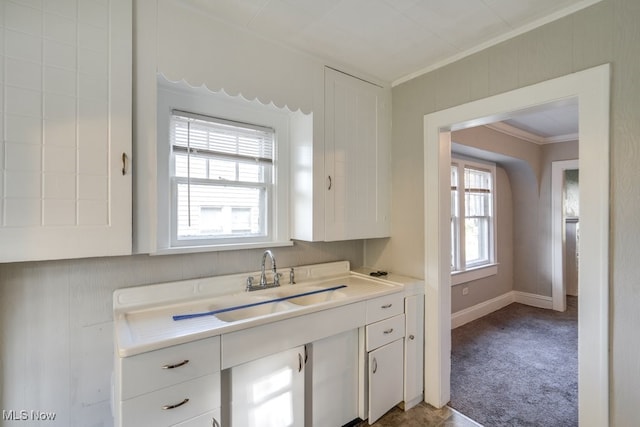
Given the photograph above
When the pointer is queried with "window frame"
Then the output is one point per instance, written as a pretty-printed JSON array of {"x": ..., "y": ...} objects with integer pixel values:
[
  {"x": 460, "y": 271},
  {"x": 265, "y": 187},
  {"x": 202, "y": 102}
]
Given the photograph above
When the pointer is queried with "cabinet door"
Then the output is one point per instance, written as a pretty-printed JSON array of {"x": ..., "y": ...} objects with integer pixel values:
[
  {"x": 67, "y": 126},
  {"x": 333, "y": 364},
  {"x": 269, "y": 392},
  {"x": 356, "y": 158},
  {"x": 414, "y": 350},
  {"x": 385, "y": 379}
]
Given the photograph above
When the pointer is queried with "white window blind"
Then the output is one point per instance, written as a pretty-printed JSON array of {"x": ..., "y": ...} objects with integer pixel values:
[{"x": 222, "y": 179}]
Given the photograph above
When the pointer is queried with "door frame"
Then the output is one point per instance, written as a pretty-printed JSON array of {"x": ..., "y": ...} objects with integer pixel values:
[
  {"x": 592, "y": 89},
  {"x": 558, "y": 284}
]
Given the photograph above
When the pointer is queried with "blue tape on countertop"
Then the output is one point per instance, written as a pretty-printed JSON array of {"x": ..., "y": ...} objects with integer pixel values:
[{"x": 253, "y": 304}]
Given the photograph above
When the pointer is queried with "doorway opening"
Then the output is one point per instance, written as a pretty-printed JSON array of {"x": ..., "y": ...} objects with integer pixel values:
[
  {"x": 560, "y": 269},
  {"x": 591, "y": 88}
]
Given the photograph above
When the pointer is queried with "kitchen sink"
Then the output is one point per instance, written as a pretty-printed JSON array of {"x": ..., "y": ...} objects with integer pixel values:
[
  {"x": 263, "y": 303},
  {"x": 236, "y": 313},
  {"x": 310, "y": 295}
]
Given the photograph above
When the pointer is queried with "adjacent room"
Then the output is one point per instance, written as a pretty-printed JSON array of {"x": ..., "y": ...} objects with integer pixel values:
[{"x": 508, "y": 363}]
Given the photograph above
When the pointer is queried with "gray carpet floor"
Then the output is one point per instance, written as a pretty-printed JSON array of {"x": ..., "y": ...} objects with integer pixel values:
[{"x": 517, "y": 366}]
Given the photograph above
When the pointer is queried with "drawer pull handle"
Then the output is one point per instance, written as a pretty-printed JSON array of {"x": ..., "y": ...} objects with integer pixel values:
[
  {"x": 375, "y": 365},
  {"x": 299, "y": 362},
  {"x": 177, "y": 365},
  {"x": 388, "y": 331},
  {"x": 177, "y": 405},
  {"x": 124, "y": 163},
  {"x": 386, "y": 306},
  {"x": 214, "y": 423}
]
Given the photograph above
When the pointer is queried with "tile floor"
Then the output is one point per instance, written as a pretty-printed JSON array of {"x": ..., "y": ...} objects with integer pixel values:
[{"x": 423, "y": 415}]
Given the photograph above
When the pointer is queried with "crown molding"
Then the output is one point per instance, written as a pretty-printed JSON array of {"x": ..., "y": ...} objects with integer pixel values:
[{"x": 528, "y": 136}]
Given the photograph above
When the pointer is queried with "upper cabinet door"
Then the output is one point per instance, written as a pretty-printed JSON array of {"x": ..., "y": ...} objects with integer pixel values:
[
  {"x": 357, "y": 162},
  {"x": 65, "y": 179}
]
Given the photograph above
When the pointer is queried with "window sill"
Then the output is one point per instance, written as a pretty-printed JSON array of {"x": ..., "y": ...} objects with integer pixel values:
[
  {"x": 476, "y": 273},
  {"x": 217, "y": 248}
]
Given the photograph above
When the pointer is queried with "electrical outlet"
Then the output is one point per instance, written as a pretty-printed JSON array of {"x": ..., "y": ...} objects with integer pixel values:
[{"x": 465, "y": 291}]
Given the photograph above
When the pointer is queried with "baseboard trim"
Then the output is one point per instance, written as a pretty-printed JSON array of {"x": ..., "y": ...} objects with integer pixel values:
[
  {"x": 477, "y": 311},
  {"x": 533, "y": 300}
]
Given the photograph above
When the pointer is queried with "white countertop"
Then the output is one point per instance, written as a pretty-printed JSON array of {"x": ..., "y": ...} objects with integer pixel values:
[{"x": 143, "y": 315}]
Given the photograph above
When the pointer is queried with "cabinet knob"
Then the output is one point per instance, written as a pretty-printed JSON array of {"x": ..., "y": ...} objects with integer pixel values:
[{"x": 411, "y": 337}]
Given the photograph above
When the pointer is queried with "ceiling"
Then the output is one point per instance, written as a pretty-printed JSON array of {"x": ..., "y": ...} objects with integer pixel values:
[
  {"x": 391, "y": 40},
  {"x": 544, "y": 124},
  {"x": 395, "y": 40}
]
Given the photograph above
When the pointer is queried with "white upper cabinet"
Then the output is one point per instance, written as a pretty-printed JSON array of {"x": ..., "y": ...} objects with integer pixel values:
[
  {"x": 65, "y": 121},
  {"x": 348, "y": 193}
]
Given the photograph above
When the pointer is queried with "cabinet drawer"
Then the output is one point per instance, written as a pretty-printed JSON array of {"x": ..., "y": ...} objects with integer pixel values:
[
  {"x": 161, "y": 368},
  {"x": 173, "y": 404},
  {"x": 210, "y": 419},
  {"x": 384, "y": 307},
  {"x": 384, "y": 332}
]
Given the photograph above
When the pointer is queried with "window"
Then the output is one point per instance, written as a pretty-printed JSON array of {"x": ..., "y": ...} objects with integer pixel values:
[
  {"x": 222, "y": 172},
  {"x": 221, "y": 180},
  {"x": 472, "y": 215}
]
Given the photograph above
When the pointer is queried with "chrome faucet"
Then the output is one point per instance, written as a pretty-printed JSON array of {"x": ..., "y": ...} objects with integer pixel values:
[{"x": 263, "y": 275}]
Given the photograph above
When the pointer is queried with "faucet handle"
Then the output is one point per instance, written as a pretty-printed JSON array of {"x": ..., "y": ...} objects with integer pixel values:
[
  {"x": 276, "y": 279},
  {"x": 249, "y": 283}
]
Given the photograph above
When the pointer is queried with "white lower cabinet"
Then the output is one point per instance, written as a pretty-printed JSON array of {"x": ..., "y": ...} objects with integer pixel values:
[
  {"x": 414, "y": 351},
  {"x": 384, "y": 343},
  {"x": 269, "y": 392},
  {"x": 169, "y": 386},
  {"x": 322, "y": 369},
  {"x": 333, "y": 374},
  {"x": 385, "y": 374}
]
